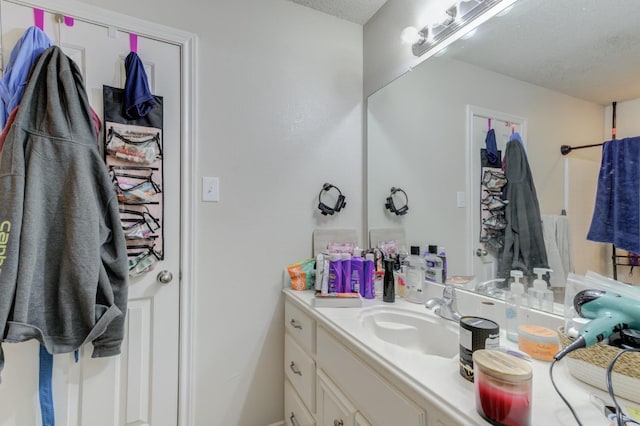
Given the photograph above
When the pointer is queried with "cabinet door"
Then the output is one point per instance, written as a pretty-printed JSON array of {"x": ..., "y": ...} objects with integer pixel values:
[{"x": 334, "y": 409}]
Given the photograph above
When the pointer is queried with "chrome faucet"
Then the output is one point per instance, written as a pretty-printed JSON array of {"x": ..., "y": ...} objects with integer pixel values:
[
  {"x": 445, "y": 306},
  {"x": 489, "y": 288}
]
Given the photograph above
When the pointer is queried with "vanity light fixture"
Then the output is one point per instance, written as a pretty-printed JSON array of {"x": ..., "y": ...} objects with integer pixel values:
[{"x": 455, "y": 17}]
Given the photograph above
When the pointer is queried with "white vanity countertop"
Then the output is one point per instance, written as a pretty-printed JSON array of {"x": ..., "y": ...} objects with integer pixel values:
[{"x": 437, "y": 379}]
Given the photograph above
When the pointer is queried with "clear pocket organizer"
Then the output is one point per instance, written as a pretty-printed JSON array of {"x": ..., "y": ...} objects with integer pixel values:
[
  {"x": 134, "y": 185},
  {"x": 143, "y": 260},
  {"x": 136, "y": 147},
  {"x": 138, "y": 224}
]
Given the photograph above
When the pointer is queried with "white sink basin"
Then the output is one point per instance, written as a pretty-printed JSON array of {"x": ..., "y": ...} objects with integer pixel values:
[{"x": 425, "y": 333}]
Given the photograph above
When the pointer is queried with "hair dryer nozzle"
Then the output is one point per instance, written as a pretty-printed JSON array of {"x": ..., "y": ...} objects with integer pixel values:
[{"x": 580, "y": 342}]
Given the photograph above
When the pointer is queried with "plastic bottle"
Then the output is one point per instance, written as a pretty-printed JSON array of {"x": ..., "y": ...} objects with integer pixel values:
[
  {"x": 357, "y": 271},
  {"x": 388, "y": 286},
  {"x": 319, "y": 271},
  {"x": 335, "y": 273},
  {"x": 443, "y": 256},
  {"x": 399, "y": 276},
  {"x": 415, "y": 276},
  {"x": 540, "y": 296},
  {"x": 346, "y": 273},
  {"x": 368, "y": 289},
  {"x": 325, "y": 275},
  {"x": 513, "y": 305},
  {"x": 434, "y": 271}
]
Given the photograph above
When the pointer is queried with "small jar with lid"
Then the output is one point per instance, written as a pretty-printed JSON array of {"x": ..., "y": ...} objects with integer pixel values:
[
  {"x": 540, "y": 342},
  {"x": 502, "y": 388}
]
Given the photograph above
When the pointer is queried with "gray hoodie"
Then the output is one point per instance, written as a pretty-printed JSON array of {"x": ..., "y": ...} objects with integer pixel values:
[{"x": 63, "y": 258}]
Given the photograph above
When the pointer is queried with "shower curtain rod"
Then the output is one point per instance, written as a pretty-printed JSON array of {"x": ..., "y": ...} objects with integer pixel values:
[{"x": 565, "y": 149}]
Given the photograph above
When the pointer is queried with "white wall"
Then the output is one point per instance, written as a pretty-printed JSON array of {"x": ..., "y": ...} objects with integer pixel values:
[
  {"x": 416, "y": 140},
  {"x": 280, "y": 93}
]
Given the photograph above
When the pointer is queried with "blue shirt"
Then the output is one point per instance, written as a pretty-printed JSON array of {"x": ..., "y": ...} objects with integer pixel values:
[{"x": 25, "y": 53}]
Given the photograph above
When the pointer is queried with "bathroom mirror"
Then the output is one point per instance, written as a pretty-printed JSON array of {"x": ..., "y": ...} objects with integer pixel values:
[{"x": 549, "y": 69}]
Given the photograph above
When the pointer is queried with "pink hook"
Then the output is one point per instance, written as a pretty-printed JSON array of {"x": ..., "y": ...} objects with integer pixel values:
[
  {"x": 38, "y": 18},
  {"x": 133, "y": 42}
]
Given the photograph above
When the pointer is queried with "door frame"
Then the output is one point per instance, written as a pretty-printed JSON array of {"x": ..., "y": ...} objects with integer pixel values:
[
  {"x": 188, "y": 135},
  {"x": 472, "y": 112}
]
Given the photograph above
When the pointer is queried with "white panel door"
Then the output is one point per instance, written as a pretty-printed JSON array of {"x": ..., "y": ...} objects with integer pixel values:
[
  {"x": 139, "y": 387},
  {"x": 484, "y": 262}
]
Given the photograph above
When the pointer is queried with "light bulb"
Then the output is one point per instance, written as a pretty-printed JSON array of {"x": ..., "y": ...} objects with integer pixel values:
[{"x": 411, "y": 35}]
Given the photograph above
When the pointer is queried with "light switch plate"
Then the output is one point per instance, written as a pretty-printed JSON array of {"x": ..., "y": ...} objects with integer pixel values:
[
  {"x": 461, "y": 199},
  {"x": 210, "y": 189}
]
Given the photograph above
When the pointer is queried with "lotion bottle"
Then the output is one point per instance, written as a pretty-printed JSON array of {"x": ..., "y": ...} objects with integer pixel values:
[
  {"x": 346, "y": 273},
  {"x": 434, "y": 272},
  {"x": 357, "y": 271},
  {"x": 513, "y": 305},
  {"x": 415, "y": 276},
  {"x": 367, "y": 289},
  {"x": 335, "y": 273}
]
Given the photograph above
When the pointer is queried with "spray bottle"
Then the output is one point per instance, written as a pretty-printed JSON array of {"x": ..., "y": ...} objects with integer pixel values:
[{"x": 513, "y": 304}]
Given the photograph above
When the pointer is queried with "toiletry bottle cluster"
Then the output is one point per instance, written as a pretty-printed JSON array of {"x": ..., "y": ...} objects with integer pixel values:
[
  {"x": 346, "y": 273},
  {"x": 418, "y": 270}
]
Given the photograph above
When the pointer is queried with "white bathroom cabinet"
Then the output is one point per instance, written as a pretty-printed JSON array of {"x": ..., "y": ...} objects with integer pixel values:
[
  {"x": 330, "y": 381},
  {"x": 343, "y": 374}
]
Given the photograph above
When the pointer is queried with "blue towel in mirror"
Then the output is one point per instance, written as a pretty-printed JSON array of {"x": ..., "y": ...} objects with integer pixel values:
[{"x": 616, "y": 215}]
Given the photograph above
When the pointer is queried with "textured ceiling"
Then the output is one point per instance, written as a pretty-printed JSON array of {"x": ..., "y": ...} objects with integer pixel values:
[
  {"x": 358, "y": 11},
  {"x": 588, "y": 49}
]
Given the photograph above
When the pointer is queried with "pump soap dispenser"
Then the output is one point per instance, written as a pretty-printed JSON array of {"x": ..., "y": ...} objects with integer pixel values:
[
  {"x": 540, "y": 296},
  {"x": 513, "y": 304}
]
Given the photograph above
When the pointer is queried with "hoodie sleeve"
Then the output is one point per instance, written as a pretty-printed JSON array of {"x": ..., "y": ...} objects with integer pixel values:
[
  {"x": 12, "y": 172},
  {"x": 114, "y": 278}
]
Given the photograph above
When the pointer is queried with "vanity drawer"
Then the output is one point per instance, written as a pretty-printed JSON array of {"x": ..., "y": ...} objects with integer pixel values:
[
  {"x": 301, "y": 326},
  {"x": 295, "y": 413},
  {"x": 301, "y": 372},
  {"x": 364, "y": 387}
]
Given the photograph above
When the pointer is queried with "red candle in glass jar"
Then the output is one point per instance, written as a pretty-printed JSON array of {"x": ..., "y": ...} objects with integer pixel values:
[{"x": 502, "y": 388}]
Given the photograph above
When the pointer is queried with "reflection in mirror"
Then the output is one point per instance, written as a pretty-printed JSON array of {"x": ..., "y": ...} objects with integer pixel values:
[{"x": 549, "y": 71}]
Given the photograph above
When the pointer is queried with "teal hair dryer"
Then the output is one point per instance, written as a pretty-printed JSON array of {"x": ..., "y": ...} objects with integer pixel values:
[{"x": 609, "y": 312}]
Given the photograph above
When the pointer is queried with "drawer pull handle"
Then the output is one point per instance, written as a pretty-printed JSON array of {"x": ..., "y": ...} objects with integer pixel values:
[
  {"x": 295, "y": 369},
  {"x": 293, "y": 419},
  {"x": 338, "y": 423},
  {"x": 294, "y": 324}
]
